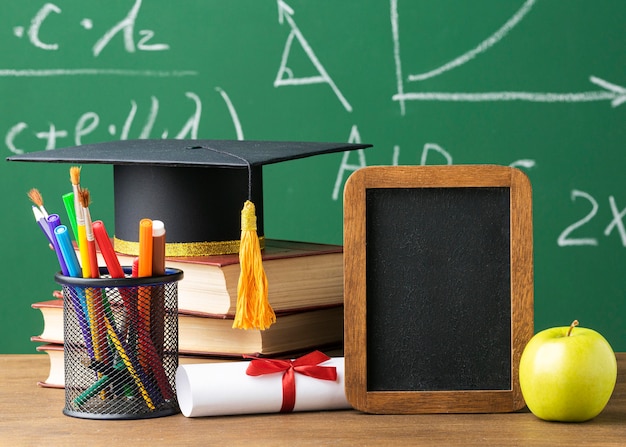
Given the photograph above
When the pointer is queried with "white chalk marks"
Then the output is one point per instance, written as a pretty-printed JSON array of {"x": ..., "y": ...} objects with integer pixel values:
[
  {"x": 285, "y": 75},
  {"x": 46, "y": 72},
  {"x": 481, "y": 48},
  {"x": 615, "y": 94}
]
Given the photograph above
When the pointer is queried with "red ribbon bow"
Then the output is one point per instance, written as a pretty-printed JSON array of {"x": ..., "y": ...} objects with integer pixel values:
[{"x": 307, "y": 365}]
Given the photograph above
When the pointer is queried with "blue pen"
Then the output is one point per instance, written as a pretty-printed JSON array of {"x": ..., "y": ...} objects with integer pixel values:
[
  {"x": 69, "y": 255},
  {"x": 77, "y": 299},
  {"x": 54, "y": 221}
]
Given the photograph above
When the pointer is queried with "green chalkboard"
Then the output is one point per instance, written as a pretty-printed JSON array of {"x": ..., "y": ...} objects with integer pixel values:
[{"x": 538, "y": 84}]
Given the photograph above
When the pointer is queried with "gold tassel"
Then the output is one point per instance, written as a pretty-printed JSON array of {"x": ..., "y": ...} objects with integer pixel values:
[{"x": 253, "y": 308}]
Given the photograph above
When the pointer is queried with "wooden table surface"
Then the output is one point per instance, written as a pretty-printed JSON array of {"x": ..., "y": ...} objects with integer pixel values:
[{"x": 30, "y": 415}]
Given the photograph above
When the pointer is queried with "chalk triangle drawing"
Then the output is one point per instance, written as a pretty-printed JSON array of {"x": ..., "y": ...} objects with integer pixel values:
[
  {"x": 296, "y": 59},
  {"x": 285, "y": 75}
]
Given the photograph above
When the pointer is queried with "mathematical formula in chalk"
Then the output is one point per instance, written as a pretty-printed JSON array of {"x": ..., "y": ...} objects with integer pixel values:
[
  {"x": 134, "y": 40},
  {"x": 56, "y": 135},
  {"x": 576, "y": 234}
]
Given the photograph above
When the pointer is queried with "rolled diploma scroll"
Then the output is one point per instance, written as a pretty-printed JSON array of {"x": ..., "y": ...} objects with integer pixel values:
[{"x": 213, "y": 389}]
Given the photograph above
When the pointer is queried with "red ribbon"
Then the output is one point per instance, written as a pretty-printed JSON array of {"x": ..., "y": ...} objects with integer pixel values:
[{"x": 307, "y": 365}]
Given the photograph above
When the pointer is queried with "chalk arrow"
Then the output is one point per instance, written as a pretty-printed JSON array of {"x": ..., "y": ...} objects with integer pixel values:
[
  {"x": 620, "y": 92},
  {"x": 612, "y": 92},
  {"x": 283, "y": 9}
]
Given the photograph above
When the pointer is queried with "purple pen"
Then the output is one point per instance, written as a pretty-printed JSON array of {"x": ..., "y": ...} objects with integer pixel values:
[{"x": 54, "y": 221}]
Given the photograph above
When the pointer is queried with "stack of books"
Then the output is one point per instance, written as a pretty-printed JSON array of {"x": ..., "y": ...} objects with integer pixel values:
[{"x": 305, "y": 291}]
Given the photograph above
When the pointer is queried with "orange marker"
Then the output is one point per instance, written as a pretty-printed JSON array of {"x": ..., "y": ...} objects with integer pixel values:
[
  {"x": 145, "y": 247},
  {"x": 144, "y": 298}
]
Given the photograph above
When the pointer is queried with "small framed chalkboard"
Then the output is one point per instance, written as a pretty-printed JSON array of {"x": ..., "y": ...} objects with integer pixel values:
[{"x": 438, "y": 288}]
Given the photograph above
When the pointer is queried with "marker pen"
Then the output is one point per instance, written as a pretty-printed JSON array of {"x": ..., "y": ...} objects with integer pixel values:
[
  {"x": 107, "y": 250},
  {"x": 54, "y": 221},
  {"x": 69, "y": 255},
  {"x": 158, "y": 247},
  {"x": 145, "y": 247},
  {"x": 68, "y": 201}
]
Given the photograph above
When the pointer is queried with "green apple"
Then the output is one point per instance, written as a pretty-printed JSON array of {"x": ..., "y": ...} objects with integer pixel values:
[{"x": 567, "y": 373}]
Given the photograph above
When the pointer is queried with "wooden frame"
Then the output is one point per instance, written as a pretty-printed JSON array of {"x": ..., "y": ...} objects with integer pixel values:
[{"x": 356, "y": 293}]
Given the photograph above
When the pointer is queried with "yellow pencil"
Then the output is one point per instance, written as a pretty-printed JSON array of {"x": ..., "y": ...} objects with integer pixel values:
[{"x": 131, "y": 369}]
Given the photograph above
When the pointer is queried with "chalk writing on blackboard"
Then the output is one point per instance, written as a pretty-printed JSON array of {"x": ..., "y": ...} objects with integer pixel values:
[
  {"x": 233, "y": 113},
  {"x": 346, "y": 168},
  {"x": 126, "y": 26},
  {"x": 609, "y": 92},
  {"x": 481, "y": 48},
  {"x": 35, "y": 25},
  {"x": 49, "y": 72},
  {"x": 285, "y": 75},
  {"x": 88, "y": 122},
  {"x": 617, "y": 223}
]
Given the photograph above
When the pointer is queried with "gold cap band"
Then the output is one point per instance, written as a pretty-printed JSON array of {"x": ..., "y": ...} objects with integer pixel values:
[{"x": 183, "y": 249}]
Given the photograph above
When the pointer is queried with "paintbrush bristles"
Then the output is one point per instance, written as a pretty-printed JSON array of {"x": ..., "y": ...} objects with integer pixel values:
[
  {"x": 75, "y": 179},
  {"x": 37, "y": 199},
  {"x": 75, "y": 175},
  {"x": 35, "y": 196},
  {"x": 84, "y": 197}
]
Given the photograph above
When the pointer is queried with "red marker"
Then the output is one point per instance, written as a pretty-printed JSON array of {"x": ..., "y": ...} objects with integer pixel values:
[{"x": 106, "y": 248}]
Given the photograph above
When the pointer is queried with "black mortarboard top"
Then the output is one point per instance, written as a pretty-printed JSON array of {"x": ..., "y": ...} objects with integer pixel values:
[{"x": 197, "y": 187}]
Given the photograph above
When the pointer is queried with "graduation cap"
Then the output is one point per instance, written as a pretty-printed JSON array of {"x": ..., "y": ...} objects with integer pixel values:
[{"x": 197, "y": 187}]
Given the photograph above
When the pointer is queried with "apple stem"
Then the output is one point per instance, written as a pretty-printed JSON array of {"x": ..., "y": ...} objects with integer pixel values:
[{"x": 571, "y": 327}]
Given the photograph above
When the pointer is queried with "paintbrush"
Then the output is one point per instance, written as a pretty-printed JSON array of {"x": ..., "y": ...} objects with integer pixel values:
[
  {"x": 75, "y": 179},
  {"x": 85, "y": 201},
  {"x": 35, "y": 196},
  {"x": 94, "y": 296},
  {"x": 41, "y": 214},
  {"x": 43, "y": 224},
  {"x": 80, "y": 222}
]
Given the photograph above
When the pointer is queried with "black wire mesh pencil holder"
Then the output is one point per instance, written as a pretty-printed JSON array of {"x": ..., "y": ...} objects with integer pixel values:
[{"x": 120, "y": 345}]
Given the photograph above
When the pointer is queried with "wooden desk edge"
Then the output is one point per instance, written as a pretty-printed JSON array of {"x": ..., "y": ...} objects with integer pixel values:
[{"x": 33, "y": 415}]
